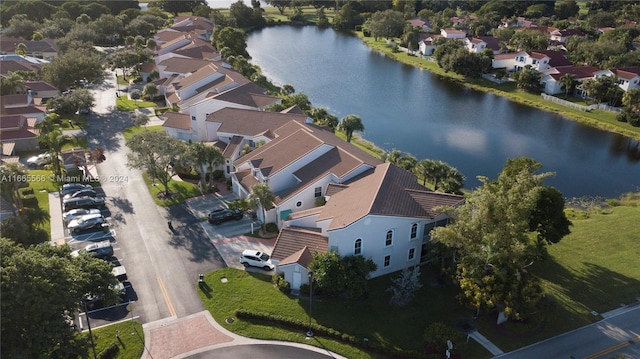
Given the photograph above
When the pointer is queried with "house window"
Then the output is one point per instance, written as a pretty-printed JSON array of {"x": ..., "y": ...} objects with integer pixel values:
[
  {"x": 387, "y": 261},
  {"x": 412, "y": 254},
  {"x": 299, "y": 204},
  {"x": 389, "y": 240},
  {"x": 414, "y": 231},
  {"x": 318, "y": 192},
  {"x": 193, "y": 118},
  {"x": 357, "y": 247},
  {"x": 535, "y": 62}
]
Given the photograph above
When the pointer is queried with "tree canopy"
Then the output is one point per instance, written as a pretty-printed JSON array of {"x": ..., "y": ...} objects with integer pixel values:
[
  {"x": 499, "y": 232},
  {"x": 388, "y": 23},
  {"x": 336, "y": 275},
  {"x": 41, "y": 286},
  {"x": 68, "y": 69},
  {"x": 349, "y": 124}
]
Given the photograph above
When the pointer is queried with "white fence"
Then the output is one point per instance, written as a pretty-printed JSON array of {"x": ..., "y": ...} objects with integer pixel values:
[{"x": 562, "y": 102}]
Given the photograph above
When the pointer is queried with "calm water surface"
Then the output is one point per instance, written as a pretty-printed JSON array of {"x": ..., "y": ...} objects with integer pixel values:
[{"x": 430, "y": 117}]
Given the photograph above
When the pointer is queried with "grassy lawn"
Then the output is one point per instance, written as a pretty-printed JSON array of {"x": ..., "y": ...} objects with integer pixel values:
[
  {"x": 595, "y": 268},
  {"x": 41, "y": 189},
  {"x": 125, "y": 104},
  {"x": 372, "y": 318},
  {"x": 180, "y": 190},
  {"x": 129, "y": 132},
  {"x": 130, "y": 344}
]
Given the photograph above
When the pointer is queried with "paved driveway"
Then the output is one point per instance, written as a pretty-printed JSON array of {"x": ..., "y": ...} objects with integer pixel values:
[{"x": 229, "y": 238}]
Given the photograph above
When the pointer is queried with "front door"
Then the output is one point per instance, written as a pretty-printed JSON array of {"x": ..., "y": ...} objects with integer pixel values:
[{"x": 297, "y": 279}]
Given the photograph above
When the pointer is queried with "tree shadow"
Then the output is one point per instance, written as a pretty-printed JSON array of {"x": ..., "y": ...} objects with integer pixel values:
[
  {"x": 189, "y": 235},
  {"x": 123, "y": 204},
  {"x": 104, "y": 129}
]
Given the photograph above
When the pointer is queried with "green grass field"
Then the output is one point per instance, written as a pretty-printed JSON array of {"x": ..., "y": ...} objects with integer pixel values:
[
  {"x": 595, "y": 268},
  {"x": 131, "y": 342}
]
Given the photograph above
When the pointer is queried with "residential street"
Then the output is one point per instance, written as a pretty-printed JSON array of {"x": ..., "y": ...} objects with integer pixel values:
[
  {"x": 618, "y": 334},
  {"x": 162, "y": 267}
]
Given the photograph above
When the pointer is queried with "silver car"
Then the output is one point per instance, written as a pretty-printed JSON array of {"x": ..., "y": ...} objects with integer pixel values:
[
  {"x": 85, "y": 222},
  {"x": 78, "y": 212}
]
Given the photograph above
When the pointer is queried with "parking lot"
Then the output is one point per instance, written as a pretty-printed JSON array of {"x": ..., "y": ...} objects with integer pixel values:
[{"x": 229, "y": 238}]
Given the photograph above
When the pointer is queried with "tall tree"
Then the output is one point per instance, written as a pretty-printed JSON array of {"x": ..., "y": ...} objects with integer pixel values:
[
  {"x": 528, "y": 79},
  {"x": 214, "y": 158},
  {"x": 388, "y": 23},
  {"x": 177, "y": 6},
  {"x": 262, "y": 197},
  {"x": 41, "y": 285},
  {"x": 11, "y": 175},
  {"x": 349, "y": 124},
  {"x": 69, "y": 68},
  {"x": 234, "y": 39},
  {"x": 11, "y": 84},
  {"x": 154, "y": 152},
  {"x": 490, "y": 234}
]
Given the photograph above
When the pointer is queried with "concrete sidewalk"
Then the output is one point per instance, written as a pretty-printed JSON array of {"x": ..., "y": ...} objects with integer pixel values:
[{"x": 485, "y": 343}]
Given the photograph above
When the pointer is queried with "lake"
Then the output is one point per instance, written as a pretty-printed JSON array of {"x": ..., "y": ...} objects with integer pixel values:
[{"x": 430, "y": 117}]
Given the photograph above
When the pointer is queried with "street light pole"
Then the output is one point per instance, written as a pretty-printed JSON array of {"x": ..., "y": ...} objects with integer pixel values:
[
  {"x": 93, "y": 345},
  {"x": 310, "y": 332}
]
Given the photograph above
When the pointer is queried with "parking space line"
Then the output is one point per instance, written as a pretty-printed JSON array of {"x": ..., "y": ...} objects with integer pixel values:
[{"x": 165, "y": 294}]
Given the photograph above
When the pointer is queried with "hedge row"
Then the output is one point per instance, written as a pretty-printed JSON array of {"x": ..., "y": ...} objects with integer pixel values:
[
  {"x": 372, "y": 345},
  {"x": 109, "y": 352}
]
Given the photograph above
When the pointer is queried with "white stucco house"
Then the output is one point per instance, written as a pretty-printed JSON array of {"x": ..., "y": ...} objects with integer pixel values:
[
  {"x": 628, "y": 77},
  {"x": 550, "y": 78}
]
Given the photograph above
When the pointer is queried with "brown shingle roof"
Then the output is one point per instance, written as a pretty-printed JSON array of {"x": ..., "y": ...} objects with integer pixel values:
[
  {"x": 248, "y": 94},
  {"x": 232, "y": 147},
  {"x": 303, "y": 257},
  {"x": 628, "y": 72},
  {"x": 39, "y": 86},
  {"x": 386, "y": 190},
  {"x": 7, "y": 66},
  {"x": 294, "y": 239},
  {"x": 177, "y": 120},
  {"x": 250, "y": 122}
]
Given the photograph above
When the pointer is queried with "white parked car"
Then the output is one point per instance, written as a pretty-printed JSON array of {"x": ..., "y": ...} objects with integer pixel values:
[
  {"x": 39, "y": 160},
  {"x": 85, "y": 222},
  {"x": 79, "y": 212},
  {"x": 256, "y": 259}
]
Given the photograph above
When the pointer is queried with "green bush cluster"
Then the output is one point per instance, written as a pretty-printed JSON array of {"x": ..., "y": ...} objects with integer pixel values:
[
  {"x": 30, "y": 201},
  {"x": 281, "y": 283},
  {"x": 271, "y": 227},
  {"x": 372, "y": 345},
  {"x": 26, "y": 191},
  {"x": 109, "y": 352}
]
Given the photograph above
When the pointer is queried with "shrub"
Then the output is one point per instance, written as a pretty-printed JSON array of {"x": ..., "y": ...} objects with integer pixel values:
[
  {"x": 304, "y": 289},
  {"x": 218, "y": 175},
  {"x": 26, "y": 191},
  {"x": 437, "y": 334},
  {"x": 271, "y": 227},
  {"x": 320, "y": 201},
  {"x": 281, "y": 283},
  {"x": 30, "y": 201},
  {"x": 109, "y": 352}
]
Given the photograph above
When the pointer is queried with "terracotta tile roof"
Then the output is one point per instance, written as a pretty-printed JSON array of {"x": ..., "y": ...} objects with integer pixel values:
[
  {"x": 177, "y": 120},
  {"x": 7, "y": 66},
  {"x": 305, "y": 213},
  {"x": 250, "y": 122},
  {"x": 39, "y": 86},
  {"x": 8, "y": 148},
  {"x": 12, "y": 122},
  {"x": 14, "y": 100},
  {"x": 628, "y": 72},
  {"x": 580, "y": 72},
  {"x": 556, "y": 58},
  {"x": 21, "y": 134},
  {"x": 293, "y": 239},
  {"x": 248, "y": 94},
  {"x": 168, "y": 34},
  {"x": 386, "y": 190},
  {"x": 9, "y": 159},
  {"x": 510, "y": 55}
]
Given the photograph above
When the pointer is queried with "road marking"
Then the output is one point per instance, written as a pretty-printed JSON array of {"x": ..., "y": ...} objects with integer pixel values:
[
  {"x": 166, "y": 297},
  {"x": 613, "y": 348}
]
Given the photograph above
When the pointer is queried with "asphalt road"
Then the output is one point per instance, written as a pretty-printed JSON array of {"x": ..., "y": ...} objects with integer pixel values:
[
  {"x": 619, "y": 334},
  {"x": 162, "y": 267}
]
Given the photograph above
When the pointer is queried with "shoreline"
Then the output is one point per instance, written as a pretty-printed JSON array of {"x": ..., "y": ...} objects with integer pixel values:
[{"x": 518, "y": 96}]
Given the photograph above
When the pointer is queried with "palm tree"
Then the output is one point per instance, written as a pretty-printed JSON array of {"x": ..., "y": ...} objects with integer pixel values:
[
  {"x": 54, "y": 141},
  {"x": 197, "y": 156},
  {"x": 12, "y": 172},
  {"x": 349, "y": 124},
  {"x": 262, "y": 197},
  {"x": 422, "y": 170},
  {"x": 12, "y": 84},
  {"x": 214, "y": 159},
  {"x": 394, "y": 156},
  {"x": 567, "y": 81},
  {"x": 150, "y": 90}
]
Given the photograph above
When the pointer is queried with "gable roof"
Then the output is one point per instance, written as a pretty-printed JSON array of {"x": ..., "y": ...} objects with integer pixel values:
[
  {"x": 248, "y": 94},
  {"x": 182, "y": 65},
  {"x": 556, "y": 58},
  {"x": 579, "y": 72},
  {"x": 176, "y": 120},
  {"x": 250, "y": 122},
  {"x": 292, "y": 241},
  {"x": 39, "y": 86},
  {"x": 493, "y": 43},
  {"x": 7, "y": 66},
  {"x": 627, "y": 72},
  {"x": 386, "y": 190}
]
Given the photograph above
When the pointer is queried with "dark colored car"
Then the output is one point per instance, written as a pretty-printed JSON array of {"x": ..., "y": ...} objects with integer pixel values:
[
  {"x": 83, "y": 202},
  {"x": 222, "y": 215},
  {"x": 81, "y": 193},
  {"x": 74, "y": 187}
]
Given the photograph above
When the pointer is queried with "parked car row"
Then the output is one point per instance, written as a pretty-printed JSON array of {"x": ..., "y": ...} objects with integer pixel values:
[{"x": 80, "y": 196}]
